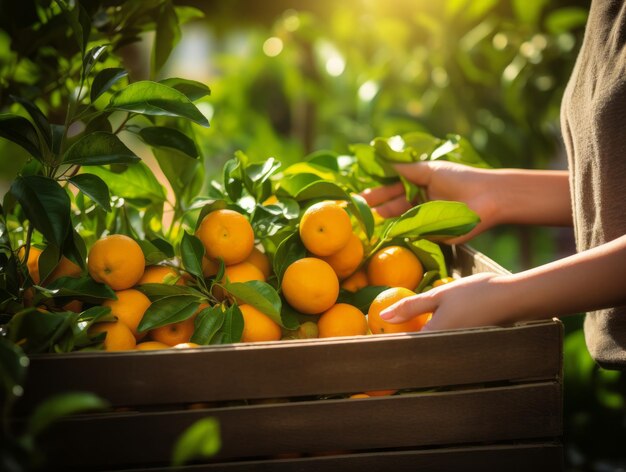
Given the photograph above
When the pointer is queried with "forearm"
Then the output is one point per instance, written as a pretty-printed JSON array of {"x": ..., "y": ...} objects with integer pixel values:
[
  {"x": 589, "y": 280},
  {"x": 532, "y": 197}
]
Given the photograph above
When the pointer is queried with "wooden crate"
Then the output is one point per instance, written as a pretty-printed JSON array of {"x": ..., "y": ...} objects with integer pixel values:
[{"x": 484, "y": 399}]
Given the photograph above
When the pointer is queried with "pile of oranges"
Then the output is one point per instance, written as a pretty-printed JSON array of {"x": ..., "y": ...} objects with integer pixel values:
[{"x": 335, "y": 260}]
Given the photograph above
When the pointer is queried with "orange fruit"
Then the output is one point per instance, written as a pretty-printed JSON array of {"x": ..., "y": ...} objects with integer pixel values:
[
  {"x": 129, "y": 308},
  {"x": 151, "y": 346},
  {"x": 226, "y": 234},
  {"x": 345, "y": 261},
  {"x": 260, "y": 261},
  {"x": 258, "y": 326},
  {"x": 65, "y": 268},
  {"x": 360, "y": 395},
  {"x": 380, "y": 393},
  {"x": 443, "y": 281},
  {"x": 310, "y": 285},
  {"x": 119, "y": 337},
  {"x": 308, "y": 330},
  {"x": 243, "y": 272},
  {"x": 32, "y": 264},
  {"x": 117, "y": 261},
  {"x": 325, "y": 228},
  {"x": 174, "y": 333},
  {"x": 356, "y": 281},
  {"x": 395, "y": 266},
  {"x": 342, "y": 320},
  {"x": 209, "y": 267},
  {"x": 186, "y": 345},
  {"x": 157, "y": 274},
  {"x": 387, "y": 298}
]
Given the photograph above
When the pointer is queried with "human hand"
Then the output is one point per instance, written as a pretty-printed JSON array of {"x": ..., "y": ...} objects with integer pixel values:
[
  {"x": 477, "y": 300},
  {"x": 442, "y": 180}
]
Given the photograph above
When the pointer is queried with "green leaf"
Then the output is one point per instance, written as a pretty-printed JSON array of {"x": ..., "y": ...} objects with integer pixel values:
[
  {"x": 168, "y": 310},
  {"x": 166, "y": 37},
  {"x": 208, "y": 322},
  {"x": 232, "y": 179},
  {"x": 97, "y": 149},
  {"x": 371, "y": 165},
  {"x": 48, "y": 260},
  {"x": 105, "y": 79},
  {"x": 157, "y": 291},
  {"x": 91, "y": 58},
  {"x": 566, "y": 19},
  {"x": 458, "y": 149},
  {"x": 94, "y": 187},
  {"x": 363, "y": 212},
  {"x": 410, "y": 147},
  {"x": 288, "y": 251},
  {"x": 46, "y": 205},
  {"x": 154, "y": 254},
  {"x": 35, "y": 331},
  {"x": 232, "y": 330},
  {"x": 200, "y": 440},
  {"x": 21, "y": 131},
  {"x": 83, "y": 288},
  {"x": 427, "y": 280},
  {"x": 292, "y": 184},
  {"x": 59, "y": 406},
  {"x": 41, "y": 122},
  {"x": 13, "y": 368},
  {"x": 161, "y": 136},
  {"x": 136, "y": 182},
  {"x": 152, "y": 98},
  {"x": 289, "y": 317},
  {"x": 322, "y": 190},
  {"x": 433, "y": 219},
  {"x": 430, "y": 255},
  {"x": 260, "y": 295},
  {"x": 190, "y": 88},
  {"x": 192, "y": 252},
  {"x": 363, "y": 298}
]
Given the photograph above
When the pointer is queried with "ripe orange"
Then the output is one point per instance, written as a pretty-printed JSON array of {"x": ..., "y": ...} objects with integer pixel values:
[
  {"x": 395, "y": 266},
  {"x": 380, "y": 393},
  {"x": 151, "y": 346},
  {"x": 360, "y": 395},
  {"x": 260, "y": 261},
  {"x": 117, "y": 261},
  {"x": 65, "y": 268},
  {"x": 129, "y": 308},
  {"x": 186, "y": 345},
  {"x": 325, "y": 228},
  {"x": 443, "y": 281},
  {"x": 119, "y": 336},
  {"x": 387, "y": 298},
  {"x": 258, "y": 326},
  {"x": 356, "y": 281},
  {"x": 209, "y": 267},
  {"x": 32, "y": 264},
  {"x": 157, "y": 274},
  {"x": 345, "y": 261},
  {"x": 226, "y": 234},
  {"x": 310, "y": 285},
  {"x": 175, "y": 333},
  {"x": 342, "y": 320},
  {"x": 243, "y": 272}
]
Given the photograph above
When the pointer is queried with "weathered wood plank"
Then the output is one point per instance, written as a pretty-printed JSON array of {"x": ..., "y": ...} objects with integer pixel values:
[
  {"x": 538, "y": 457},
  {"x": 522, "y": 412},
  {"x": 307, "y": 367}
]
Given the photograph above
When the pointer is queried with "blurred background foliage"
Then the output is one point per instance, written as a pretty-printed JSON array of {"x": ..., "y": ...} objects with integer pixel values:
[{"x": 292, "y": 77}]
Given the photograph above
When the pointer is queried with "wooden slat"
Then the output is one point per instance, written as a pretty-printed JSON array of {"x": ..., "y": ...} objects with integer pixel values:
[
  {"x": 538, "y": 457},
  {"x": 531, "y": 411},
  {"x": 300, "y": 368}
]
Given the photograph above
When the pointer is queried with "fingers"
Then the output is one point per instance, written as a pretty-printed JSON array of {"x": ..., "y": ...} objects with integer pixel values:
[
  {"x": 417, "y": 172},
  {"x": 379, "y": 195},
  {"x": 394, "y": 207},
  {"x": 408, "y": 308}
]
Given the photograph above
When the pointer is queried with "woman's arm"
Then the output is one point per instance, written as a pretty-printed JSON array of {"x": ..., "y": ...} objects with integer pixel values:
[
  {"x": 499, "y": 196},
  {"x": 589, "y": 280}
]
